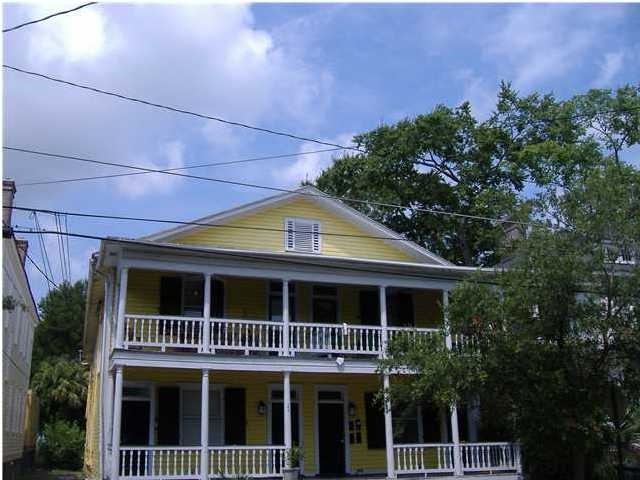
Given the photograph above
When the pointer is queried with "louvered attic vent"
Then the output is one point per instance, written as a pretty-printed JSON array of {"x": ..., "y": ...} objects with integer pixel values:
[{"x": 302, "y": 235}]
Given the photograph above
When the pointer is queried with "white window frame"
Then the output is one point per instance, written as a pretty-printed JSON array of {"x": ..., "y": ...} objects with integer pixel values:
[
  {"x": 151, "y": 399},
  {"x": 313, "y": 296},
  {"x": 311, "y": 221},
  {"x": 294, "y": 388}
]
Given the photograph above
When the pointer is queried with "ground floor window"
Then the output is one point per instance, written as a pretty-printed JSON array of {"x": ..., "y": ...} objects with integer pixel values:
[
  {"x": 277, "y": 417},
  {"x": 190, "y": 417}
]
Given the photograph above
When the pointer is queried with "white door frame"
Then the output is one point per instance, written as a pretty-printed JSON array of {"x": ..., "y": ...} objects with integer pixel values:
[
  {"x": 150, "y": 386},
  {"x": 316, "y": 440}
]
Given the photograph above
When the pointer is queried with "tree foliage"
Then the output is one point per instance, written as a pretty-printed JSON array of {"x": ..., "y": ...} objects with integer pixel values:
[
  {"x": 61, "y": 385},
  {"x": 59, "y": 332},
  {"x": 554, "y": 335},
  {"x": 448, "y": 160}
]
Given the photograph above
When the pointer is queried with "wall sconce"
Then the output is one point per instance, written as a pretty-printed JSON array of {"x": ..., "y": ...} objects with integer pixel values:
[
  {"x": 262, "y": 408},
  {"x": 352, "y": 409}
]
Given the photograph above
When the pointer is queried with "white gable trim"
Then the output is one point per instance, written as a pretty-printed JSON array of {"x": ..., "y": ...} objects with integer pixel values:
[{"x": 336, "y": 206}]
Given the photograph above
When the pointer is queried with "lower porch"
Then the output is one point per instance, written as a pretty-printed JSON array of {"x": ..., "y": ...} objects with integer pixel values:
[{"x": 187, "y": 424}]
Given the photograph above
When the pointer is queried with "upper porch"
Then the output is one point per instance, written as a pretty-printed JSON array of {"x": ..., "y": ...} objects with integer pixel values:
[{"x": 226, "y": 314}]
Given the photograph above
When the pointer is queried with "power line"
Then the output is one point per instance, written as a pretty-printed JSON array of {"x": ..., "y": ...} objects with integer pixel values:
[
  {"x": 64, "y": 12},
  {"x": 179, "y": 110},
  {"x": 39, "y": 269},
  {"x": 265, "y": 187},
  {"x": 188, "y": 167},
  {"x": 43, "y": 247},
  {"x": 200, "y": 224},
  {"x": 225, "y": 254}
]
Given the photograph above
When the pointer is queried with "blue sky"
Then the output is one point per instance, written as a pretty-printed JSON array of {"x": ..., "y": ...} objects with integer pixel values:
[{"x": 324, "y": 71}]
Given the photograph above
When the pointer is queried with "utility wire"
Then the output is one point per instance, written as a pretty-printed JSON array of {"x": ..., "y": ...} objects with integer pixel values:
[
  {"x": 179, "y": 110},
  {"x": 64, "y": 12},
  {"x": 43, "y": 248},
  {"x": 175, "y": 169},
  {"x": 49, "y": 281},
  {"x": 18, "y": 229},
  {"x": 194, "y": 223},
  {"x": 253, "y": 127},
  {"x": 265, "y": 187}
]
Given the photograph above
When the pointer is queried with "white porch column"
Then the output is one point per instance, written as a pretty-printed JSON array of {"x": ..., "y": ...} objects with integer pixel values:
[
  {"x": 117, "y": 412},
  {"x": 286, "y": 400},
  {"x": 455, "y": 437},
  {"x": 388, "y": 422},
  {"x": 286, "y": 348},
  {"x": 206, "y": 314},
  {"x": 455, "y": 433},
  {"x": 204, "y": 426},
  {"x": 122, "y": 305},
  {"x": 388, "y": 429}
]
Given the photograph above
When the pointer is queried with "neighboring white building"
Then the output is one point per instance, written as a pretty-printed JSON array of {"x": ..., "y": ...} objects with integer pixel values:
[{"x": 19, "y": 319}]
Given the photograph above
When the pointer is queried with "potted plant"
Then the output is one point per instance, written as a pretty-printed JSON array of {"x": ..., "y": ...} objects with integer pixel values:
[{"x": 293, "y": 459}]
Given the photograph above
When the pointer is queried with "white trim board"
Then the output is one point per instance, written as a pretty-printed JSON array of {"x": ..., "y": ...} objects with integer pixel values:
[{"x": 316, "y": 422}]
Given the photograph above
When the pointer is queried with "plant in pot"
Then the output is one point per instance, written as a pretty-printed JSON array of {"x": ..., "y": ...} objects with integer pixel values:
[{"x": 293, "y": 459}]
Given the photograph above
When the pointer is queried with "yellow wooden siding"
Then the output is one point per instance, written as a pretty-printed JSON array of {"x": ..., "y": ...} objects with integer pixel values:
[
  {"x": 273, "y": 241},
  {"x": 92, "y": 434},
  {"x": 257, "y": 390},
  {"x": 247, "y": 298}
]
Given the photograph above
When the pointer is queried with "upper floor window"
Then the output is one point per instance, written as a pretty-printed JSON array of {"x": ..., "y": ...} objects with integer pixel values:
[{"x": 302, "y": 235}]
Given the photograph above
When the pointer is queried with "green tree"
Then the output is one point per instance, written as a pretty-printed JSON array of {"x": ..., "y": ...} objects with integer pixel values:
[
  {"x": 59, "y": 332},
  {"x": 554, "y": 335},
  {"x": 448, "y": 160},
  {"x": 61, "y": 385}
]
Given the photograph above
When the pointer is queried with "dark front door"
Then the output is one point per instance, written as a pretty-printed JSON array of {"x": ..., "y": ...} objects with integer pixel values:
[
  {"x": 134, "y": 430},
  {"x": 135, "y": 423},
  {"x": 331, "y": 439}
]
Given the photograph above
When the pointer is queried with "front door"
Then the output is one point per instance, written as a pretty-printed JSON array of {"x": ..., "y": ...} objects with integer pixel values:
[
  {"x": 134, "y": 431},
  {"x": 331, "y": 439}
]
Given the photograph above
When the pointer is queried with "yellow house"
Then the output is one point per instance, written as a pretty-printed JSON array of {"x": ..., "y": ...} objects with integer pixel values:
[{"x": 232, "y": 344}]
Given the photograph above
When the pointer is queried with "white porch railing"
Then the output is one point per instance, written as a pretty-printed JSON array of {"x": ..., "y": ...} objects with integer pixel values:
[
  {"x": 490, "y": 457},
  {"x": 335, "y": 338},
  {"x": 159, "y": 462},
  {"x": 423, "y": 458},
  {"x": 250, "y": 461},
  {"x": 412, "y": 333},
  {"x": 162, "y": 331},
  {"x": 246, "y": 335}
]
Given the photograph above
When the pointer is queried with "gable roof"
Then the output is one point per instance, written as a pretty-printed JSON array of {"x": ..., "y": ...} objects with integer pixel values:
[{"x": 323, "y": 200}]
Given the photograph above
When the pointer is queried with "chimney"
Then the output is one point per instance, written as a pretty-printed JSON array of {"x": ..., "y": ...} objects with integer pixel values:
[
  {"x": 22, "y": 245},
  {"x": 8, "y": 192}
]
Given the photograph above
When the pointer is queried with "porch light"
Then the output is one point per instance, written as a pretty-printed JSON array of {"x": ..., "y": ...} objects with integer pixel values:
[
  {"x": 262, "y": 408},
  {"x": 352, "y": 409}
]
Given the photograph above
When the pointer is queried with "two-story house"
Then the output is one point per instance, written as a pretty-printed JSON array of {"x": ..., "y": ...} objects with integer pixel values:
[
  {"x": 218, "y": 346},
  {"x": 19, "y": 320}
]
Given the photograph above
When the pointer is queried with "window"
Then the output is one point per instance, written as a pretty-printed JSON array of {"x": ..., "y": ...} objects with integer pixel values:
[
  {"x": 275, "y": 302},
  {"x": 325, "y": 304},
  {"x": 191, "y": 417},
  {"x": 184, "y": 295},
  {"x": 400, "y": 309},
  {"x": 302, "y": 235},
  {"x": 277, "y": 417}
]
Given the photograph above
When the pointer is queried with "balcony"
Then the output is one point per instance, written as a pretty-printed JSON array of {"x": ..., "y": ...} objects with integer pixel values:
[
  {"x": 162, "y": 333},
  {"x": 225, "y": 315}
]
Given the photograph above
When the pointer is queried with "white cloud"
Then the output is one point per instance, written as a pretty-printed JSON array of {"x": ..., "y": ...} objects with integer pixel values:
[
  {"x": 171, "y": 156},
  {"x": 482, "y": 96},
  {"x": 542, "y": 42},
  {"x": 308, "y": 167},
  {"x": 609, "y": 68}
]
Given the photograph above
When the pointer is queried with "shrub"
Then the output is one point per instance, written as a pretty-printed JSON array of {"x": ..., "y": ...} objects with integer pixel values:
[{"x": 62, "y": 445}]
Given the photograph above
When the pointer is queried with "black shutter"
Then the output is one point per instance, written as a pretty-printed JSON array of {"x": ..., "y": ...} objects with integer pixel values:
[
  {"x": 168, "y": 416},
  {"x": 431, "y": 423},
  {"x": 171, "y": 296},
  {"x": 405, "y": 309},
  {"x": 235, "y": 403},
  {"x": 375, "y": 422},
  {"x": 369, "y": 307},
  {"x": 217, "y": 299}
]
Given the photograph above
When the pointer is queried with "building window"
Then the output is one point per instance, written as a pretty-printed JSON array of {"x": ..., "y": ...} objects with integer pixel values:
[
  {"x": 302, "y": 235},
  {"x": 325, "y": 304},
  {"x": 184, "y": 295},
  {"x": 275, "y": 301},
  {"x": 191, "y": 401}
]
